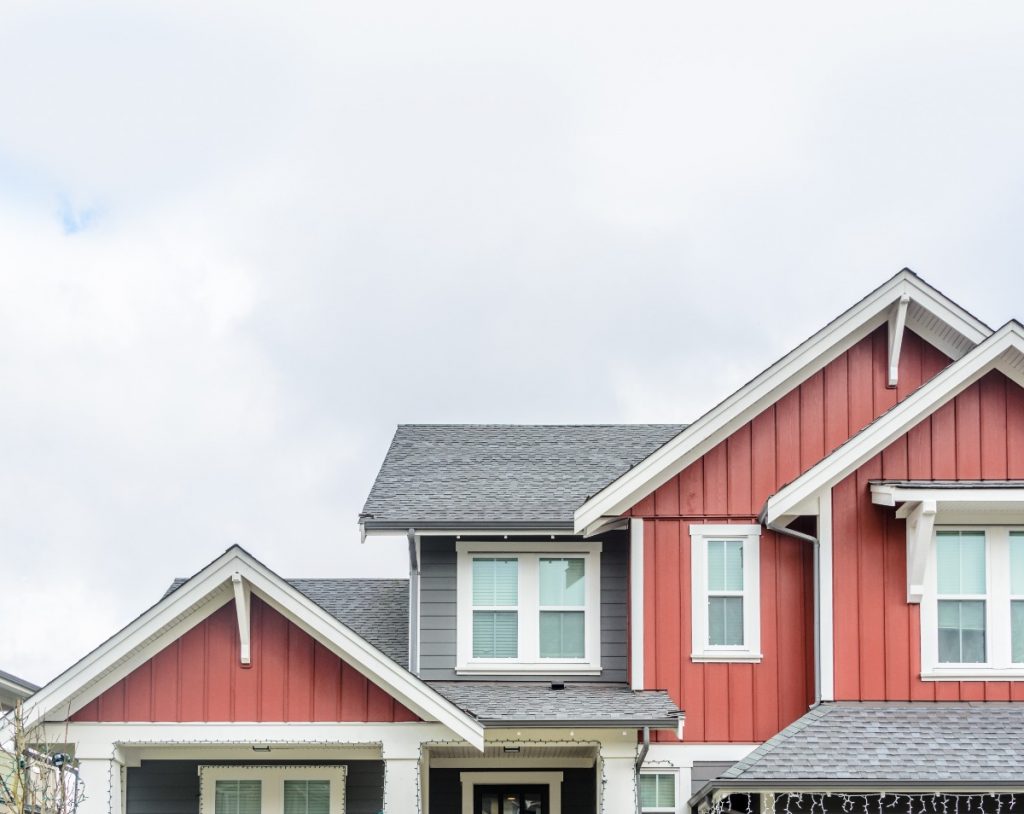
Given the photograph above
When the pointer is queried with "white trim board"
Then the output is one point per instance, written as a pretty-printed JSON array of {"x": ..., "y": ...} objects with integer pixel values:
[
  {"x": 1003, "y": 351},
  {"x": 930, "y": 313},
  {"x": 186, "y": 606}
]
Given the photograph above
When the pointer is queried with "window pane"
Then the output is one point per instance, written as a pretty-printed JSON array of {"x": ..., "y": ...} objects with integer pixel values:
[
  {"x": 495, "y": 634},
  {"x": 1017, "y": 563},
  {"x": 725, "y": 565},
  {"x": 561, "y": 582},
  {"x": 648, "y": 790},
  {"x": 725, "y": 621},
  {"x": 561, "y": 634},
  {"x": 657, "y": 791},
  {"x": 307, "y": 796},
  {"x": 960, "y": 557},
  {"x": 495, "y": 582},
  {"x": 961, "y": 631},
  {"x": 237, "y": 796},
  {"x": 1017, "y": 628}
]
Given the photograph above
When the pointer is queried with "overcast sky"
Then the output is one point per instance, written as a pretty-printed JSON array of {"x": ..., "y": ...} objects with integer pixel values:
[{"x": 240, "y": 241}]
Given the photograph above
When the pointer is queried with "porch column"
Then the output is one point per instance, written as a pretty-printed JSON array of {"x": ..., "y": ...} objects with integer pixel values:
[
  {"x": 402, "y": 780},
  {"x": 102, "y": 780},
  {"x": 619, "y": 763}
]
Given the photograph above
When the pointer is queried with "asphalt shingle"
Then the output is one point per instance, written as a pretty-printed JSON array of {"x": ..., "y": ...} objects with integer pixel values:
[
  {"x": 376, "y": 609},
  {"x": 893, "y": 742},
  {"x": 487, "y": 473},
  {"x": 507, "y": 702}
]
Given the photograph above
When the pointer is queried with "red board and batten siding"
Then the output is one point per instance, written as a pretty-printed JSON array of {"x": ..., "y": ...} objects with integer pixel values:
[
  {"x": 752, "y": 702},
  {"x": 199, "y": 677},
  {"x": 978, "y": 435}
]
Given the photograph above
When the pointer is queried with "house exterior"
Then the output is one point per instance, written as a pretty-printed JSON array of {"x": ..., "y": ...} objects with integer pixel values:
[
  {"x": 13, "y": 690},
  {"x": 812, "y": 596}
]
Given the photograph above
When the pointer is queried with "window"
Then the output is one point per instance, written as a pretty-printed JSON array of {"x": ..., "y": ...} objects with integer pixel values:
[
  {"x": 972, "y": 611},
  {"x": 657, "y": 792},
  {"x": 725, "y": 592},
  {"x": 256, "y": 788},
  {"x": 532, "y": 611}
]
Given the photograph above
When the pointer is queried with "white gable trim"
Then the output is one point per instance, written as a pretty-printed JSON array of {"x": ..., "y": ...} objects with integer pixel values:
[
  {"x": 1003, "y": 351},
  {"x": 198, "y": 598},
  {"x": 928, "y": 312}
]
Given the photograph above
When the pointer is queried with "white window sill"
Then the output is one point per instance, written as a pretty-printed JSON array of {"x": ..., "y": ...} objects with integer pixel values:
[
  {"x": 974, "y": 673},
  {"x": 529, "y": 668},
  {"x": 740, "y": 657}
]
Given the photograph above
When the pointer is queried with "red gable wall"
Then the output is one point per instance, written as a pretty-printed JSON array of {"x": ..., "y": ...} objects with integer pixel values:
[
  {"x": 200, "y": 678},
  {"x": 980, "y": 434},
  {"x": 752, "y": 702}
]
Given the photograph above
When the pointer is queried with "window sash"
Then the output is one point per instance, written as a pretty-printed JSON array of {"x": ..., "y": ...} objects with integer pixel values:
[
  {"x": 563, "y": 636},
  {"x": 657, "y": 792}
]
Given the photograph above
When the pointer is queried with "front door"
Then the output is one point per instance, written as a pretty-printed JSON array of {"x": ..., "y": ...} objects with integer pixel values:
[{"x": 510, "y": 800}]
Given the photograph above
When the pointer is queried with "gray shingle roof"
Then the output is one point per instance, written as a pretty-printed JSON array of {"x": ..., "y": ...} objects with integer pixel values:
[
  {"x": 534, "y": 703},
  {"x": 893, "y": 742},
  {"x": 458, "y": 475},
  {"x": 376, "y": 609}
]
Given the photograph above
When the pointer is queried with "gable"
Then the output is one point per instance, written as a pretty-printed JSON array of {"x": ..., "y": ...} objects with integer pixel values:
[
  {"x": 800, "y": 429},
  {"x": 905, "y": 302},
  {"x": 937, "y": 399},
  {"x": 199, "y": 677}
]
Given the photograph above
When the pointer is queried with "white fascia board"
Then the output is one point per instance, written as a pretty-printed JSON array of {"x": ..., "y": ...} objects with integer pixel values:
[
  {"x": 117, "y": 655},
  {"x": 798, "y": 365},
  {"x": 992, "y": 354},
  {"x": 884, "y": 494}
]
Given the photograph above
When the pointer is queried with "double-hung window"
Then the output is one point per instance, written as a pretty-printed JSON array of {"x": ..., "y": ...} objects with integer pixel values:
[
  {"x": 972, "y": 612},
  {"x": 725, "y": 592},
  {"x": 657, "y": 791},
  {"x": 528, "y": 608},
  {"x": 272, "y": 789}
]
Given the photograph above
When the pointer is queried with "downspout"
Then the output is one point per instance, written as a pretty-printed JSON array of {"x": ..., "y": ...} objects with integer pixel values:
[
  {"x": 414, "y": 604},
  {"x": 640, "y": 758},
  {"x": 807, "y": 538}
]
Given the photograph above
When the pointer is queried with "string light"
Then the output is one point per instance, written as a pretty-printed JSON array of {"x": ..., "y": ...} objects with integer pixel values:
[{"x": 991, "y": 802}]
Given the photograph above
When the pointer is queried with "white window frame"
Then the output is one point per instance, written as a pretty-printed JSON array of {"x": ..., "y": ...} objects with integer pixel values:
[
  {"x": 998, "y": 665},
  {"x": 272, "y": 777},
  {"x": 529, "y": 556},
  {"x": 675, "y": 782},
  {"x": 750, "y": 537}
]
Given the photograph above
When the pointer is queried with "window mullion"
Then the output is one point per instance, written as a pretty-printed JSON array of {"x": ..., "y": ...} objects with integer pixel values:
[
  {"x": 529, "y": 607},
  {"x": 998, "y": 608}
]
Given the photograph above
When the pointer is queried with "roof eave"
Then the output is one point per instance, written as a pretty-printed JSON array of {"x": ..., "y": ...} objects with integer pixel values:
[
  {"x": 373, "y": 526},
  {"x": 581, "y": 723}
]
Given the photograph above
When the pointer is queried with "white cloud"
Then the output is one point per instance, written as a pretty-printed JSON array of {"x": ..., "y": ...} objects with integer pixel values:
[{"x": 240, "y": 241}]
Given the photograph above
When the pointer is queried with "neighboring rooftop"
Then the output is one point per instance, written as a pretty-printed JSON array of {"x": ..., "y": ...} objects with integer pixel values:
[
  {"x": 512, "y": 475},
  {"x": 13, "y": 690},
  {"x": 376, "y": 609},
  {"x": 534, "y": 703},
  {"x": 891, "y": 743}
]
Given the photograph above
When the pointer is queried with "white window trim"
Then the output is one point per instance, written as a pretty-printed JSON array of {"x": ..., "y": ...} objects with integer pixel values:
[
  {"x": 998, "y": 666},
  {"x": 750, "y": 536},
  {"x": 529, "y": 661},
  {"x": 678, "y": 795},
  {"x": 272, "y": 779}
]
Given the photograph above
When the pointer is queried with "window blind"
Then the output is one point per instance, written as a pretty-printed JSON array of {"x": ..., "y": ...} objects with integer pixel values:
[{"x": 238, "y": 796}]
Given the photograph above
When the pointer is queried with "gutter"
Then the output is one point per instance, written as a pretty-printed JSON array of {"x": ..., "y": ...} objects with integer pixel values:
[
  {"x": 562, "y": 723},
  {"x": 807, "y": 538}
]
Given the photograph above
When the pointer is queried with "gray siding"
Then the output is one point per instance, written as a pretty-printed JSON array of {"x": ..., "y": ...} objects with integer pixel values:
[
  {"x": 437, "y": 611},
  {"x": 705, "y": 770},
  {"x": 172, "y": 786}
]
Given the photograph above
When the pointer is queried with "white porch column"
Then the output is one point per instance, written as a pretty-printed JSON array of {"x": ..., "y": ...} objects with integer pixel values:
[
  {"x": 102, "y": 779},
  {"x": 619, "y": 764},
  {"x": 402, "y": 780}
]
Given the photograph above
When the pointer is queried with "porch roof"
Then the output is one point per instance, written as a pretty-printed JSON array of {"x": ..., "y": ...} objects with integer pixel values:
[
  {"x": 582, "y": 704},
  {"x": 889, "y": 746}
]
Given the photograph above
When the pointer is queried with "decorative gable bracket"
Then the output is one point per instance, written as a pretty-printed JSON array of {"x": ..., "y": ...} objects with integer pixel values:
[
  {"x": 243, "y": 609},
  {"x": 897, "y": 327},
  {"x": 920, "y": 525}
]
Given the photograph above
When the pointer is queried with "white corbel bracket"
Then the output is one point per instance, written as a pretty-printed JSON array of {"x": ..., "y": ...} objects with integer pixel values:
[
  {"x": 897, "y": 325},
  {"x": 242, "y": 610},
  {"x": 920, "y": 524}
]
